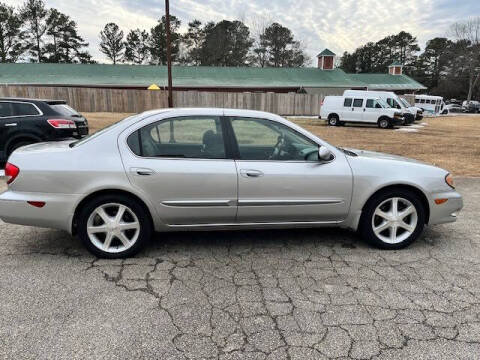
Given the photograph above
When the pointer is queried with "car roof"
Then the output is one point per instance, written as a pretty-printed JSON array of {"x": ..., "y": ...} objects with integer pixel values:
[{"x": 47, "y": 101}]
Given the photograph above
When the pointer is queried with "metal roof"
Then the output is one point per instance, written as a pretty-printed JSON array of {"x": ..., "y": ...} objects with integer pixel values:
[
  {"x": 396, "y": 63},
  {"x": 326, "y": 52},
  {"x": 101, "y": 75},
  {"x": 183, "y": 76},
  {"x": 388, "y": 82}
]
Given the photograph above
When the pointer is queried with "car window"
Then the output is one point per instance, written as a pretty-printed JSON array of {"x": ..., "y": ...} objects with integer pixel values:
[
  {"x": 183, "y": 137},
  {"x": 370, "y": 103},
  {"x": 65, "y": 110},
  {"x": 24, "y": 109},
  {"x": 6, "y": 109},
  {"x": 358, "y": 103},
  {"x": 262, "y": 139},
  {"x": 347, "y": 102}
]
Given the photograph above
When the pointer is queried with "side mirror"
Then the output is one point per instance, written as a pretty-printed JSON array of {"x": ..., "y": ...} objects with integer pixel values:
[{"x": 324, "y": 154}]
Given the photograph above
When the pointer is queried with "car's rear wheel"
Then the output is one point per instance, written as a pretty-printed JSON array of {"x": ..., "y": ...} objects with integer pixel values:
[
  {"x": 392, "y": 219},
  {"x": 333, "y": 120},
  {"x": 114, "y": 226}
]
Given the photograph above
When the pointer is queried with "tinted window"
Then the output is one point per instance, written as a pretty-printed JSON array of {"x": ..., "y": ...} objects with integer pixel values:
[
  {"x": 422, "y": 101},
  {"x": 22, "y": 109},
  {"x": 370, "y": 103},
  {"x": 261, "y": 139},
  {"x": 185, "y": 137},
  {"x": 358, "y": 103},
  {"x": 6, "y": 109},
  {"x": 347, "y": 102},
  {"x": 65, "y": 110}
]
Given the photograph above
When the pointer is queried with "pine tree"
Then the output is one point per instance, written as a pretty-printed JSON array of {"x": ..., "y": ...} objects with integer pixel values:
[
  {"x": 111, "y": 42},
  {"x": 11, "y": 34},
  {"x": 136, "y": 46},
  {"x": 34, "y": 15}
]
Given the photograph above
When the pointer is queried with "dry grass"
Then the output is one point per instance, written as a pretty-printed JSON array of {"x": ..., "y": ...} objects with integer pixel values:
[{"x": 449, "y": 142}]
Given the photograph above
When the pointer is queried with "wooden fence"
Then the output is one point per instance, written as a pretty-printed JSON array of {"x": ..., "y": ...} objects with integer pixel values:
[{"x": 134, "y": 101}]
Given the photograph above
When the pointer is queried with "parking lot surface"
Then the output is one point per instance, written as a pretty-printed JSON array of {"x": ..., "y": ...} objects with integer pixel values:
[{"x": 297, "y": 294}]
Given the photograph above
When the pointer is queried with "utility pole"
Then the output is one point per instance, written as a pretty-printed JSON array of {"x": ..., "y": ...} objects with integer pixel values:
[{"x": 169, "y": 55}]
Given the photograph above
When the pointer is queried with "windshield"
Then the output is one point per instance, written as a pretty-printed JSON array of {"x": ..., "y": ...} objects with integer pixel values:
[
  {"x": 65, "y": 110},
  {"x": 98, "y": 133},
  {"x": 383, "y": 103},
  {"x": 405, "y": 102}
]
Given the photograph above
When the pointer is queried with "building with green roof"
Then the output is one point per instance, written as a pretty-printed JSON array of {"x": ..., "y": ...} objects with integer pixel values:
[{"x": 321, "y": 79}]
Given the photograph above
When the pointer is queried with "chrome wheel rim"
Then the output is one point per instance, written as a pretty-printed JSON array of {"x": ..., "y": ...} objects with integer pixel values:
[
  {"x": 394, "y": 220},
  {"x": 333, "y": 121},
  {"x": 113, "y": 228}
]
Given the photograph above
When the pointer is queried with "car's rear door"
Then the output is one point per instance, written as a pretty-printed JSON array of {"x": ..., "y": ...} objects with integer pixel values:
[
  {"x": 181, "y": 165},
  {"x": 285, "y": 182}
]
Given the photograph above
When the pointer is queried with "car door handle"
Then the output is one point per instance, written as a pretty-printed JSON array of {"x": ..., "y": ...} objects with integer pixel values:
[
  {"x": 142, "y": 171},
  {"x": 11, "y": 124},
  {"x": 251, "y": 173}
]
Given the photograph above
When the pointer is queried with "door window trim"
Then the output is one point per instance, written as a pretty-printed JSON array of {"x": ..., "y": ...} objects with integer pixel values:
[
  {"x": 233, "y": 141},
  {"x": 40, "y": 112},
  {"x": 228, "y": 155}
]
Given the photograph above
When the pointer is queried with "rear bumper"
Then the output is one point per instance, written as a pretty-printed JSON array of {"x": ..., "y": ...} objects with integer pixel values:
[
  {"x": 448, "y": 211},
  {"x": 57, "y": 212}
]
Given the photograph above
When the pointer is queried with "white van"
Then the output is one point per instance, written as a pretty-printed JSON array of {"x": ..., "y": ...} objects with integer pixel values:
[
  {"x": 410, "y": 113},
  {"x": 338, "y": 110}
]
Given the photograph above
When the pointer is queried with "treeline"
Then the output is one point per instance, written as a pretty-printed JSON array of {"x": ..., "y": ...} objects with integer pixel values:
[
  {"x": 223, "y": 43},
  {"x": 449, "y": 67},
  {"x": 34, "y": 33}
]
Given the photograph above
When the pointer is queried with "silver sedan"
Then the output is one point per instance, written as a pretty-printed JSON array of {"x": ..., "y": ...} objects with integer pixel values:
[{"x": 205, "y": 169}]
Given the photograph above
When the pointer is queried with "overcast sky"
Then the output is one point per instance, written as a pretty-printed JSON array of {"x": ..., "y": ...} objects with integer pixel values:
[{"x": 337, "y": 24}]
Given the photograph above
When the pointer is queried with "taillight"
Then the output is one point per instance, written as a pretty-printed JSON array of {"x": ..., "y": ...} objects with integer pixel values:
[
  {"x": 62, "y": 123},
  {"x": 11, "y": 172}
]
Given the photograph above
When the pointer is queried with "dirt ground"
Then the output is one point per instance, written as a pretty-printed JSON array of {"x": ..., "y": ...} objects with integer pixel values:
[{"x": 451, "y": 142}]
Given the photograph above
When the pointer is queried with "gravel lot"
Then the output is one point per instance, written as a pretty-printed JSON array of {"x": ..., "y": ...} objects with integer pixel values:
[{"x": 305, "y": 294}]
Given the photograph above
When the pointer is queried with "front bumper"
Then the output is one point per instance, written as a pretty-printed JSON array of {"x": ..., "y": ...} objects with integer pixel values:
[
  {"x": 397, "y": 121},
  {"x": 57, "y": 212},
  {"x": 448, "y": 211}
]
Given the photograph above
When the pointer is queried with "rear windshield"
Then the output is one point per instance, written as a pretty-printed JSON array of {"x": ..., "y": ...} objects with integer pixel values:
[
  {"x": 96, "y": 134},
  {"x": 65, "y": 110}
]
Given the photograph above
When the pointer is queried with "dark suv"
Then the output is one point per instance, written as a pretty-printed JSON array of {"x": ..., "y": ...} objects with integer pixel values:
[{"x": 28, "y": 121}]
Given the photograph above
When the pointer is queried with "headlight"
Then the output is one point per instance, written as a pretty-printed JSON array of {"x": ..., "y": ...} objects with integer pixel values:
[{"x": 449, "y": 180}]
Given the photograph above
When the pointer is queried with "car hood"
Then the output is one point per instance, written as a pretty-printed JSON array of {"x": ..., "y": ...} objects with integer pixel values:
[{"x": 383, "y": 156}]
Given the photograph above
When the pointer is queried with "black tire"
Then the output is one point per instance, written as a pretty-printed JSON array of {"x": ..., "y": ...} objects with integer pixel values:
[
  {"x": 384, "y": 123},
  {"x": 145, "y": 231},
  {"x": 15, "y": 146},
  {"x": 367, "y": 220},
  {"x": 333, "y": 120}
]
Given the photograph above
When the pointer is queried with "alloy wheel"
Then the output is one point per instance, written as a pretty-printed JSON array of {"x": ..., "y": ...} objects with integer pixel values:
[
  {"x": 394, "y": 220},
  {"x": 113, "y": 228}
]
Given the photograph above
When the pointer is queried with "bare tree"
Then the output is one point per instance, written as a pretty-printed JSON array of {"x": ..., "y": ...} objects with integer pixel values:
[
  {"x": 258, "y": 24},
  {"x": 467, "y": 34}
]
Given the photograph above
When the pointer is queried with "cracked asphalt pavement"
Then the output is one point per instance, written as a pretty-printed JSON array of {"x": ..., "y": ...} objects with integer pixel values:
[{"x": 296, "y": 294}]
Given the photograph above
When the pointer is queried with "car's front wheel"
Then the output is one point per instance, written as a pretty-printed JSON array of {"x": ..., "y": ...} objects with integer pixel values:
[
  {"x": 114, "y": 226},
  {"x": 392, "y": 219},
  {"x": 383, "y": 123}
]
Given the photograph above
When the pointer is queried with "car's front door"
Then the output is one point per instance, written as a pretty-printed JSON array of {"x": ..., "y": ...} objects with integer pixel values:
[
  {"x": 281, "y": 179},
  {"x": 181, "y": 164},
  {"x": 371, "y": 111}
]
